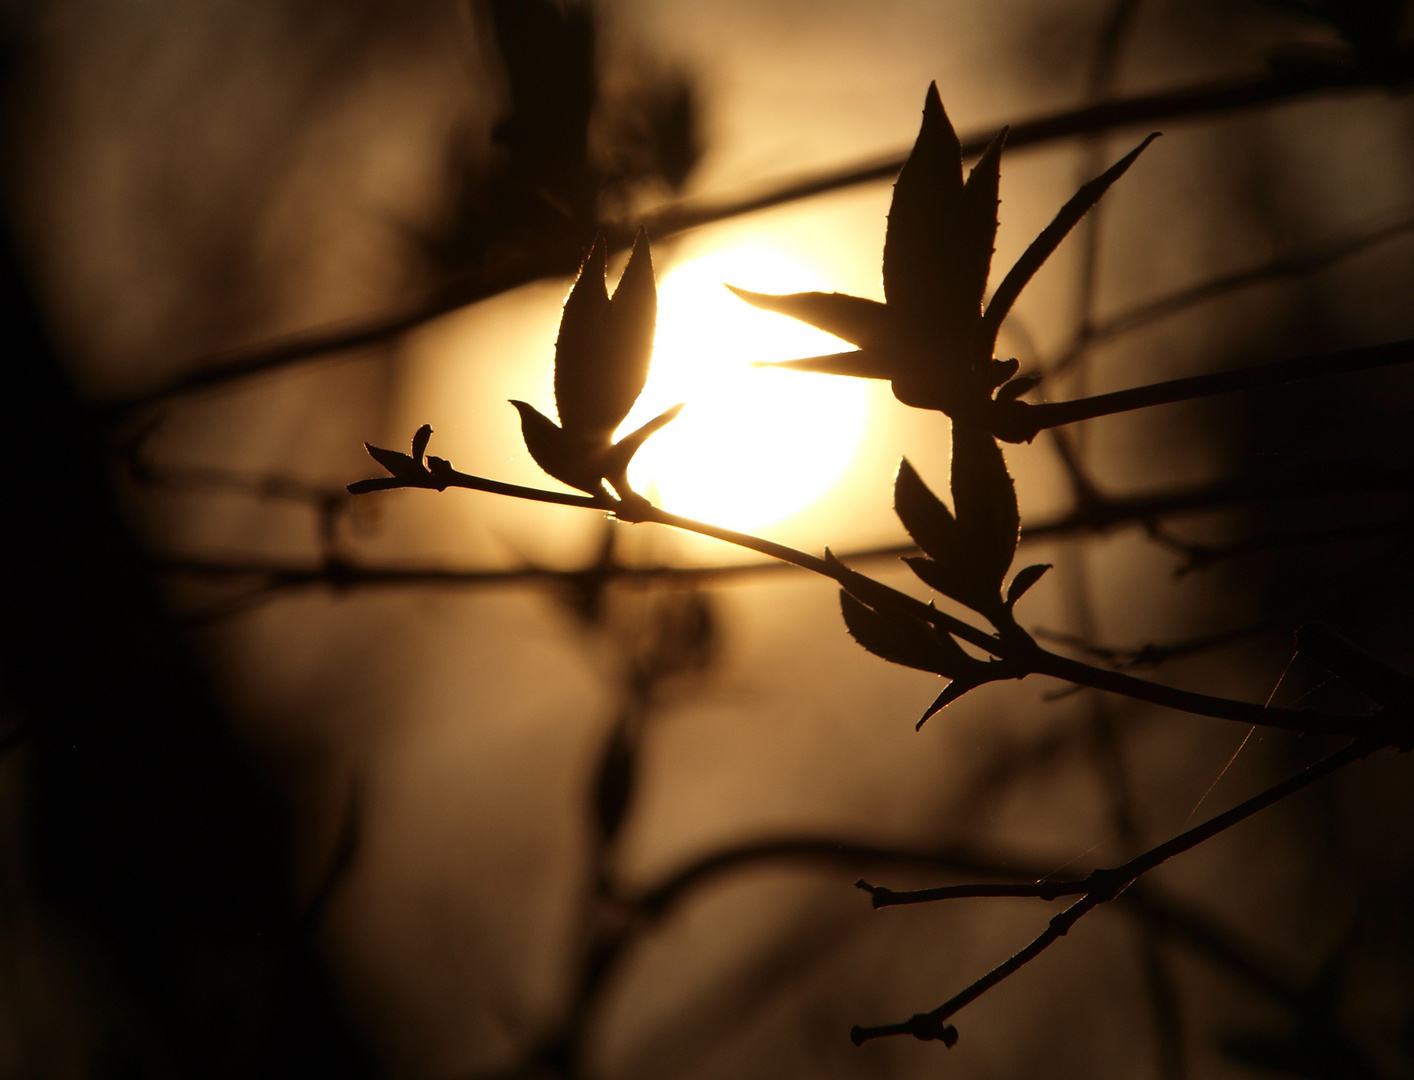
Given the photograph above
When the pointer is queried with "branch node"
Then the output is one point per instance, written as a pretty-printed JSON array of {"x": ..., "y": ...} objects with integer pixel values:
[{"x": 880, "y": 895}]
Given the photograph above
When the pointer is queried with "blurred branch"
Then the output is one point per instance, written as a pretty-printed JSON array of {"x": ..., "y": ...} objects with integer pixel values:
[
  {"x": 1286, "y": 82},
  {"x": 1099, "y": 887},
  {"x": 833, "y": 852},
  {"x": 1314, "y": 257},
  {"x": 1096, "y": 513},
  {"x": 1152, "y": 654},
  {"x": 1200, "y": 556}
]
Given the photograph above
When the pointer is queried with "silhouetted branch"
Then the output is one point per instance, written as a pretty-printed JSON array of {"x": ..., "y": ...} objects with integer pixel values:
[
  {"x": 1017, "y": 653},
  {"x": 1096, "y": 513},
  {"x": 1018, "y": 421},
  {"x": 1099, "y": 887}
]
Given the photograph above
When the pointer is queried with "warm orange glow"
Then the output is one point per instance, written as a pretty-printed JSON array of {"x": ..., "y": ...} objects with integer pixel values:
[{"x": 753, "y": 445}]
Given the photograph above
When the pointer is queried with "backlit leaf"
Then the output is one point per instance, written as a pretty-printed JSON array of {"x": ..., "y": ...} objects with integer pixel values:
[
  {"x": 857, "y": 320},
  {"x": 863, "y": 364},
  {"x": 1024, "y": 579},
  {"x": 899, "y": 640},
  {"x": 921, "y": 241},
  {"x": 604, "y": 346},
  {"x": 951, "y": 693},
  {"x": 399, "y": 464},
  {"x": 928, "y": 520},
  {"x": 984, "y": 501},
  {"x": 1046, "y": 243},
  {"x": 956, "y": 579}
]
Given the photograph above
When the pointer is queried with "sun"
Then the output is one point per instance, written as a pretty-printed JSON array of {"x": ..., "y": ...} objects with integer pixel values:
[{"x": 753, "y": 446}]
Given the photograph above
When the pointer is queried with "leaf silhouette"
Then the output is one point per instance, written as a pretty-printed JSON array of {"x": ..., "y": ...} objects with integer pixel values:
[
  {"x": 407, "y": 470},
  {"x": 931, "y": 338},
  {"x": 985, "y": 501},
  {"x": 604, "y": 345},
  {"x": 938, "y": 245},
  {"x": 876, "y": 623},
  {"x": 601, "y": 363},
  {"x": 898, "y": 640},
  {"x": 1044, "y": 246},
  {"x": 969, "y": 553},
  {"x": 1023, "y": 581},
  {"x": 857, "y": 320},
  {"x": 928, "y": 521}
]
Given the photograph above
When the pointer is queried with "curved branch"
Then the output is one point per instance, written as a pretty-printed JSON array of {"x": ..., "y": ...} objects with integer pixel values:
[{"x": 1206, "y": 99}]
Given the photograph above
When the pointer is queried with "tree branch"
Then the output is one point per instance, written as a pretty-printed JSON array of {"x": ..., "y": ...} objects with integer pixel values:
[
  {"x": 1099, "y": 887},
  {"x": 1019, "y": 421},
  {"x": 1286, "y": 83}
]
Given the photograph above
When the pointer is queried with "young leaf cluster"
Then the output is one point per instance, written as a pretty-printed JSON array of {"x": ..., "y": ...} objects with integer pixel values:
[
  {"x": 931, "y": 337},
  {"x": 601, "y": 363},
  {"x": 967, "y": 552}
]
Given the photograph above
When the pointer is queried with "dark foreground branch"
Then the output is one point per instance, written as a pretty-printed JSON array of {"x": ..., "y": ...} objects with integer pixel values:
[
  {"x": 1017, "y": 653},
  {"x": 1098, "y": 888}
]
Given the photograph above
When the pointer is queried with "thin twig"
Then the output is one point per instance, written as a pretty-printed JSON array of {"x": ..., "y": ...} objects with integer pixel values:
[
  {"x": 1302, "y": 261},
  {"x": 1019, "y": 652},
  {"x": 1097, "y": 888}
]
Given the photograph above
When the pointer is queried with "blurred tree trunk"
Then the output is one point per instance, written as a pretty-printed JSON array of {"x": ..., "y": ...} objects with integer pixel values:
[{"x": 152, "y": 831}]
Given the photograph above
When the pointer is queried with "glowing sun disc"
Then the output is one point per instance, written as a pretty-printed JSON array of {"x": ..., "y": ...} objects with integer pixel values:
[{"x": 754, "y": 445}]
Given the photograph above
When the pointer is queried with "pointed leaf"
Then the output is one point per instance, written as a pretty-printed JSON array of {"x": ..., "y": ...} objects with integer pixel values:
[
  {"x": 923, "y": 217},
  {"x": 604, "y": 346},
  {"x": 898, "y": 639},
  {"x": 579, "y": 351},
  {"x": 633, "y": 319},
  {"x": 1046, "y": 243},
  {"x": 862, "y": 364},
  {"x": 951, "y": 693},
  {"x": 924, "y": 515},
  {"x": 874, "y": 593},
  {"x": 1024, "y": 580},
  {"x": 955, "y": 579},
  {"x": 976, "y": 235},
  {"x": 381, "y": 483},
  {"x": 984, "y": 500},
  {"x": 420, "y": 440},
  {"x": 397, "y": 463},
  {"x": 857, "y": 320},
  {"x": 937, "y": 253},
  {"x": 616, "y": 461},
  {"x": 565, "y": 457}
]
